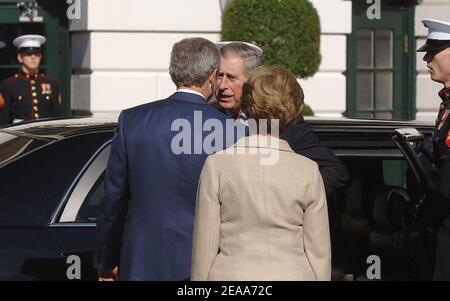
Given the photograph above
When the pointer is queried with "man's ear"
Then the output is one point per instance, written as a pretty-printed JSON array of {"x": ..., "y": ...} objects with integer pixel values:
[
  {"x": 19, "y": 58},
  {"x": 213, "y": 75},
  {"x": 212, "y": 81}
]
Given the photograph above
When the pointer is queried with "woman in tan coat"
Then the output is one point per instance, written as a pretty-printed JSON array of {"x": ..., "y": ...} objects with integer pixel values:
[{"x": 261, "y": 209}]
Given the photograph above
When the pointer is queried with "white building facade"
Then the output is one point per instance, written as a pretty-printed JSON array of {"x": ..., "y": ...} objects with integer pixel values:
[
  {"x": 121, "y": 52},
  {"x": 427, "y": 101}
]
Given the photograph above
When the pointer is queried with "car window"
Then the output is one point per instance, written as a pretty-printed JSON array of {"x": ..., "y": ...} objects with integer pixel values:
[
  {"x": 89, "y": 209},
  {"x": 35, "y": 186},
  {"x": 82, "y": 204},
  {"x": 13, "y": 146},
  {"x": 394, "y": 172}
]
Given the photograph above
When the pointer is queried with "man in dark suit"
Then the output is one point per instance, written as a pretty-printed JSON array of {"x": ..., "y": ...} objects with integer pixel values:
[
  {"x": 145, "y": 221},
  {"x": 237, "y": 61}
]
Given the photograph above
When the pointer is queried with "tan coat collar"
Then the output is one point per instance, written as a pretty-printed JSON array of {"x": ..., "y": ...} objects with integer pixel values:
[{"x": 262, "y": 141}]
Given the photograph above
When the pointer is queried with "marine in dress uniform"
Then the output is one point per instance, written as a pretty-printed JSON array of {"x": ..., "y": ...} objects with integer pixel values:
[
  {"x": 29, "y": 94},
  {"x": 437, "y": 56}
]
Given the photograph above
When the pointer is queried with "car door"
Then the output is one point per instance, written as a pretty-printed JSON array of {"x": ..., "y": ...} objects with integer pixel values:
[
  {"x": 77, "y": 217},
  {"x": 411, "y": 143},
  {"x": 35, "y": 189},
  {"x": 408, "y": 141}
]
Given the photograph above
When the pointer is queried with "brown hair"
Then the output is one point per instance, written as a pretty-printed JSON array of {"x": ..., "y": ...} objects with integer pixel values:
[{"x": 272, "y": 93}]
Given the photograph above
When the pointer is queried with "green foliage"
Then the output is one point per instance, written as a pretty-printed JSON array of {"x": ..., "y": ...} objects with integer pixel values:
[
  {"x": 288, "y": 31},
  {"x": 308, "y": 111}
]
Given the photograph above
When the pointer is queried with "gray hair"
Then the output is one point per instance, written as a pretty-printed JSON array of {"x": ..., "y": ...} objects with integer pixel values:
[
  {"x": 192, "y": 60},
  {"x": 252, "y": 59}
]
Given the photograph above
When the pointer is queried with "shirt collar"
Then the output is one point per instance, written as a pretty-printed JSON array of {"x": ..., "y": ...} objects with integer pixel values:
[{"x": 191, "y": 92}]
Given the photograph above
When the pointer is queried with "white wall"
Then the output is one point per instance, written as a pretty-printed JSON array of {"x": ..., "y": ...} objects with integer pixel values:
[
  {"x": 121, "y": 50},
  {"x": 427, "y": 100},
  {"x": 335, "y": 21}
]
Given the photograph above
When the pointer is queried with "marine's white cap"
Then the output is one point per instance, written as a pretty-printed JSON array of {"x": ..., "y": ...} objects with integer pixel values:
[
  {"x": 256, "y": 48},
  {"x": 29, "y": 41},
  {"x": 438, "y": 35}
]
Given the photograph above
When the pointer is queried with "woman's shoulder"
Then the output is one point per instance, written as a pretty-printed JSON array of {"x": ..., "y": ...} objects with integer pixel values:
[{"x": 300, "y": 159}]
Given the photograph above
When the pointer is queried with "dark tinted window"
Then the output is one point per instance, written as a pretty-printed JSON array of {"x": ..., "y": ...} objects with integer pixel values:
[
  {"x": 32, "y": 187},
  {"x": 394, "y": 172},
  {"x": 13, "y": 146},
  {"x": 84, "y": 199}
]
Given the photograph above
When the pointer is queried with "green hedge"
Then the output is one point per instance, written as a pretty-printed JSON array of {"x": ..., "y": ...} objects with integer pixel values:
[
  {"x": 288, "y": 31},
  {"x": 308, "y": 111}
]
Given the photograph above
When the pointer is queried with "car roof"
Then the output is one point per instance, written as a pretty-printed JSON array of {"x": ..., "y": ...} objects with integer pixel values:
[
  {"x": 343, "y": 121},
  {"x": 59, "y": 128}
]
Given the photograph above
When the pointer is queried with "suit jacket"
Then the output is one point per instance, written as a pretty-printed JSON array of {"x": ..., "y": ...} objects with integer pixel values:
[
  {"x": 261, "y": 222},
  {"x": 146, "y": 216}
]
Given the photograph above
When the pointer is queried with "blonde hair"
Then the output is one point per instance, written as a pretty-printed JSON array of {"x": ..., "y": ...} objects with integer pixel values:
[{"x": 273, "y": 93}]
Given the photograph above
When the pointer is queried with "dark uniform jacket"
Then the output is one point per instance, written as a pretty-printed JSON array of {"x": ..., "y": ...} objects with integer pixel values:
[
  {"x": 437, "y": 205},
  {"x": 436, "y": 208},
  {"x": 25, "y": 97}
]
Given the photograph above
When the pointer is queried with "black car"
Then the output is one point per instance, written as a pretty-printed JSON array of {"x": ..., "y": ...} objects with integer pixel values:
[{"x": 51, "y": 176}]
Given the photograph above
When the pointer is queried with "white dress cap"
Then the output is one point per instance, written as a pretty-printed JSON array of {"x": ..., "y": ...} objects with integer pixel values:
[
  {"x": 437, "y": 30},
  {"x": 29, "y": 41},
  {"x": 257, "y": 49},
  {"x": 438, "y": 36}
]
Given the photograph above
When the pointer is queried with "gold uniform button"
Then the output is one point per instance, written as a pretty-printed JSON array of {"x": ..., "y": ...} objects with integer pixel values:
[
  {"x": 32, "y": 81},
  {"x": 33, "y": 88},
  {"x": 35, "y": 101},
  {"x": 47, "y": 97},
  {"x": 34, "y": 94},
  {"x": 35, "y": 108},
  {"x": 36, "y": 115},
  {"x": 19, "y": 98}
]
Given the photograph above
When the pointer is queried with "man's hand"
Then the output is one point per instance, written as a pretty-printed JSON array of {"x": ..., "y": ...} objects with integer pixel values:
[{"x": 108, "y": 275}]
